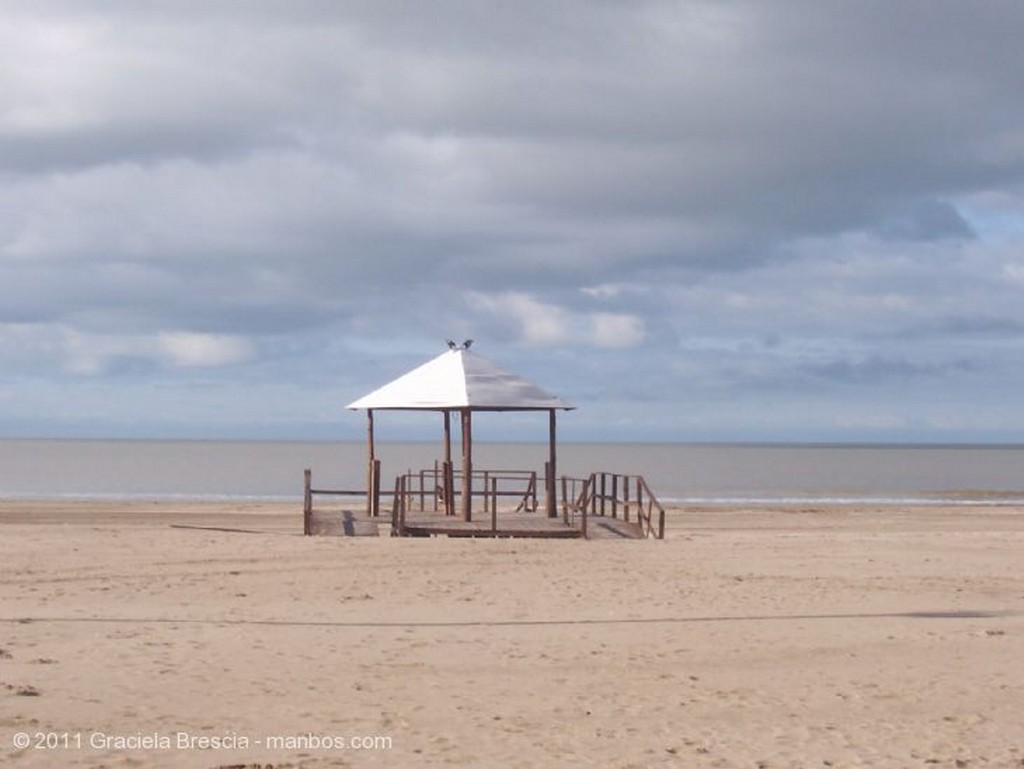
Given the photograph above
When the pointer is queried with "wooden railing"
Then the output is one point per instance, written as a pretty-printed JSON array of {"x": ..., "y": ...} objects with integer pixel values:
[
  {"x": 613, "y": 495},
  {"x": 309, "y": 493},
  {"x": 414, "y": 489},
  {"x": 400, "y": 506},
  {"x": 647, "y": 505},
  {"x": 576, "y": 501},
  {"x": 425, "y": 490},
  {"x": 602, "y": 494}
]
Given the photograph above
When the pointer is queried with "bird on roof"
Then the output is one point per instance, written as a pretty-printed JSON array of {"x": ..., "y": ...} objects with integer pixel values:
[
  {"x": 466, "y": 345},
  {"x": 451, "y": 344}
]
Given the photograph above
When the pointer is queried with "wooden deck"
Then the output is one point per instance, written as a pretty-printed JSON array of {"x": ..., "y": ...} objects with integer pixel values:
[
  {"x": 598, "y": 506},
  {"x": 349, "y": 523},
  {"x": 508, "y": 524},
  {"x": 346, "y": 523}
]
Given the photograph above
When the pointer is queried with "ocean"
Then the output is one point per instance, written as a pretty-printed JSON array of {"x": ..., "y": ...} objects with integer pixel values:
[{"x": 675, "y": 472}]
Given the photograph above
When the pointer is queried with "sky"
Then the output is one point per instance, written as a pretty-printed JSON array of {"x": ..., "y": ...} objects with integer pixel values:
[{"x": 696, "y": 221}]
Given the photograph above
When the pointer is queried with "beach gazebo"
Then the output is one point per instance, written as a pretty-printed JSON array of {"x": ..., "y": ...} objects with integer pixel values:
[{"x": 462, "y": 382}]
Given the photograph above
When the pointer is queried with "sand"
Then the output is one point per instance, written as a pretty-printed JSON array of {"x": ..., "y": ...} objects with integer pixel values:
[{"x": 789, "y": 637}]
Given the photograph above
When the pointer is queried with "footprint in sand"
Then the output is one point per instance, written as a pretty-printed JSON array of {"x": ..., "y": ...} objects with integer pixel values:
[{"x": 21, "y": 691}]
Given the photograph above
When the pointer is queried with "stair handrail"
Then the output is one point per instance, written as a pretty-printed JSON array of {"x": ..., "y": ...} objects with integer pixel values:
[
  {"x": 645, "y": 514},
  {"x": 607, "y": 494}
]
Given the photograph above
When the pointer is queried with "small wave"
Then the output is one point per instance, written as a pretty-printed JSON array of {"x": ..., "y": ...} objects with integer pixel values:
[
  {"x": 146, "y": 497},
  {"x": 983, "y": 501}
]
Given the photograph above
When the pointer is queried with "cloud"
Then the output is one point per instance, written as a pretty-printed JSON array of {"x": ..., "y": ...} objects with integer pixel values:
[
  {"x": 616, "y": 330},
  {"x": 98, "y": 354},
  {"x": 740, "y": 198},
  {"x": 538, "y": 324},
  {"x": 192, "y": 350}
]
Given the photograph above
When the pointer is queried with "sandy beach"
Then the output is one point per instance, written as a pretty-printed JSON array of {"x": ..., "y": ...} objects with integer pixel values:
[{"x": 168, "y": 634}]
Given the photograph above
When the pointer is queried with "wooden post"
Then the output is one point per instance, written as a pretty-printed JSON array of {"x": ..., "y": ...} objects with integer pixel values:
[
  {"x": 436, "y": 476},
  {"x": 494, "y": 506},
  {"x": 449, "y": 475},
  {"x": 626, "y": 498},
  {"x": 552, "y": 470},
  {"x": 487, "y": 489},
  {"x": 307, "y": 503},
  {"x": 583, "y": 512},
  {"x": 467, "y": 465},
  {"x": 394, "y": 511},
  {"x": 547, "y": 483},
  {"x": 375, "y": 488},
  {"x": 615, "y": 495},
  {"x": 604, "y": 493},
  {"x": 372, "y": 504},
  {"x": 449, "y": 488},
  {"x": 565, "y": 502},
  {"x": 401, "y": 507}
]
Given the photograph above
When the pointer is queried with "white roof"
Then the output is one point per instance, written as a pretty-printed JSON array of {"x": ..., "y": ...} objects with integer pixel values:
[{"x": 458, "y": 379}]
